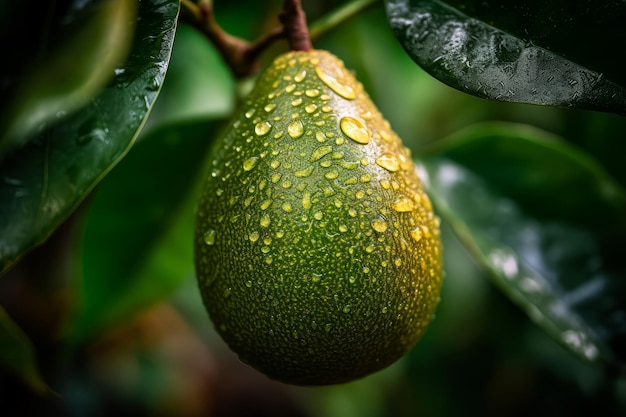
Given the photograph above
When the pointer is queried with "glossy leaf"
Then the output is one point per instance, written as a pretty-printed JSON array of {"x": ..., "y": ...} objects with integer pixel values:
[
  {"x": 544, "y": 175},
  {"x": 552, "y": 53},
  {"x": 42, "y": 183},
  {"x": 136, "y": 246},
  {"x": 194, "y": 89},
  {"x": 18, "y": 355},
  {"x": 562, "y": 272},
  {"x": 55, "y": 83}
]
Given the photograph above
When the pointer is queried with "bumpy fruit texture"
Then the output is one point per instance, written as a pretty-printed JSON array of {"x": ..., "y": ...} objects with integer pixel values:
[{"x": 317, "y": 251}]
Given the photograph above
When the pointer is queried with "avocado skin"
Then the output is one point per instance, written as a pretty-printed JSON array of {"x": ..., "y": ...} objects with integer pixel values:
[{"x": 317, "y": 252}]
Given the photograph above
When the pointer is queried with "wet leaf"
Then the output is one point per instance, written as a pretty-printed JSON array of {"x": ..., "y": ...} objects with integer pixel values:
[
  {"x": 18, "y": 355},
  {"x": 552, "y": 53},
  {"x": 196, "y": 89},
  {"x": 566, "y": 274},
  {"x": 55, "y": 83},
  {"x": 136, "y": 246},
  {"x": 43, "y": 182}
]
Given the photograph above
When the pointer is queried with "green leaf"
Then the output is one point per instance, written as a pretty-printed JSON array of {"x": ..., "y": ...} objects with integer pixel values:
[
  {"x": 199, "y": 88},
  {"x": 566, "y": 274},
  {"x": 553, "y": 53},
  {"x": 18, "y": 355},
  {"x": 544, "y": 175},
  {"x": 55, "y": 83},
  {"x": 43, "y": 182},
  {"x": 137, "y": 245}
]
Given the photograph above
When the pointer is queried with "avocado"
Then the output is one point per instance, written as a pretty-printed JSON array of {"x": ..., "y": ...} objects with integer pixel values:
[{"x": 317, "y": 252}]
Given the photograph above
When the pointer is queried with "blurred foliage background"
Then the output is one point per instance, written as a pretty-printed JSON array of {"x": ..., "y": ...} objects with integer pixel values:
[{"x": 110, "y": 300}]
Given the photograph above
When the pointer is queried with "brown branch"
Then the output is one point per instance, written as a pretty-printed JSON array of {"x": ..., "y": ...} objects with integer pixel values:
[
  {"x": 234, "y": 50},
  {"x": 240, "y": 55},
  {"x": 293, "y": 19}
]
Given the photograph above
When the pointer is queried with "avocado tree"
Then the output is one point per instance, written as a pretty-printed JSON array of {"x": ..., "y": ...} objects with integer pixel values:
[{"x": 514, "y": 116}]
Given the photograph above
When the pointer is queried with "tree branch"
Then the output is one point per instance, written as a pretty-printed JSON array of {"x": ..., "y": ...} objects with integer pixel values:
[
  {"x": 240, "y": 55},
  {"x": 293, "y": 19}
]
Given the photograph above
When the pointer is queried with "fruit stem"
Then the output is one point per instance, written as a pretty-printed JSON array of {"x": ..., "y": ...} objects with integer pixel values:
[{"x": 293, "y": 19}]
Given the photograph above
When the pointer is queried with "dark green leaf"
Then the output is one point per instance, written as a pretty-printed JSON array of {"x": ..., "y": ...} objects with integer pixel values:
[
  {"x": 18, "y": 355},
  {"x": 544, "y": 175},
  {"x": 558, "y": 53},
  {"x": 563, "y": 273},
  {"x": 137, "y": 244},
  {"x": 42, "y": 183},
  {"x": 54, "y": 82}
]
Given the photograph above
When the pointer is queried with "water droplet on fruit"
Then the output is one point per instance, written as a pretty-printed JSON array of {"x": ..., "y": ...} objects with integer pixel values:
[
  {"x": 295, "y": 129},
  {"x": 265, "y": 220},
  {"x": 379, "y": 225},
  {"x": 250, "y": 163},
  {"x": 306, "y": 200},
  {"x": 355, "y": 130},
  {"x": 300, "y": 76},
  {"x": 269, "y": 107},
  {"x": 209, "y": 237},
  {"x": 286, "y": 206},
  {"x": 403, "y": 205},
  {"x": 266, "y": 204},
  {"x": 262, "y": 128},
  {"x": 417, "y": 234},
  {"x": 254, "y": 236},
  {"x": 388, "y": 162},
  {"x": 250, "y": 113},
  {"x": 296, "y": 102},
  {"x": 304, "y": 172},
  {"x": 320, "y": 152},
  {"x": 313, "y": 92},
  {"x": 343, "y": 90},
  {"x": 310, "y": 108}
]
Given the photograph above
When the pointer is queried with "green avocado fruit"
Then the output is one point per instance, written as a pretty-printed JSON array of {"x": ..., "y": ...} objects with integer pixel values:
[{"x": 317, "y": 252}]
